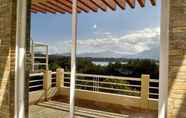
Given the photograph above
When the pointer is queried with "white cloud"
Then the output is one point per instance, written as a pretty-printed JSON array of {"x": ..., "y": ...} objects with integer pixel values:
[
  {"x": 107, "y": 33},
  {"x": 130, "y": 43},
  {"x": 95, "y": 26}
]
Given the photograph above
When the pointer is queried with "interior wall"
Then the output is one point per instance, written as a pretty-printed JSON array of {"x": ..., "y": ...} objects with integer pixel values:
[
  {"x": 8, "y": 9},
  {"x": 7, "y": 56}
]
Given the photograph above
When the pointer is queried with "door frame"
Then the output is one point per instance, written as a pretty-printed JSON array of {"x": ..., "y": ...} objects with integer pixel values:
[{"x": 21, "y": 54}]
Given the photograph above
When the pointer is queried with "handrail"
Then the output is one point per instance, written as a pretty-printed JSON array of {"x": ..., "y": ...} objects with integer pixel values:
[{"x": 104, "y": 76}]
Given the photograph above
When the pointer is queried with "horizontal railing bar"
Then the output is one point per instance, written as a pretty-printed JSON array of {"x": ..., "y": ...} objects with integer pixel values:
[
  {"x": 120, "y": 84},
  {"x": 154, "y": 80},
  {"x": 130, "y": 91},
  {"x": 66, "y": 82},
  {"x": 31, "y": 81},
  {"x": 40, "y": 64},
  {"x": 80, "y": 85},
  {"x": 154, "y": 94},
  {"x": 154, "y": 88},
  {"x": 67, "y": 78},
  {"x": 53, "y": 73},
  {"x": 107, "y": 77},
  {"x": 105, "y": 88},
  {"x": 110, "y": 83},
  {"x": 44, "y": 57},
  {"x": 35, "y": 86},
  {"x": 89, "y": 81},
  {"x": 101, "y": 91},
  {"x": 38, "y": 44},
  {"x": 36, "y": 74}
]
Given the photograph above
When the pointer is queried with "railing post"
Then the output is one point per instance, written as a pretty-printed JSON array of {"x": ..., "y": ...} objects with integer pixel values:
[
  {"x": 145, "y": 90},
  {"x": 47, "y": 84},
  {"x": 59, "y": 79}
]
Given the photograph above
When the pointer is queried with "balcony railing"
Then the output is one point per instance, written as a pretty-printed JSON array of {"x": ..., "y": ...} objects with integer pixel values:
[
  {"x": 114, "y": 84},
  {"x": 142, "y": 88}
]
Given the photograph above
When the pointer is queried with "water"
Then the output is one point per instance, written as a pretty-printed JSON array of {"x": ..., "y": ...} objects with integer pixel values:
[
  {"x": 105, "y": 63},
  {"x": 101, "y": 63}
]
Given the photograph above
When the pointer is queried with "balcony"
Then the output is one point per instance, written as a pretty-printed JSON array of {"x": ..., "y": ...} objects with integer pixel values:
[{"x": 96, "y": 95}]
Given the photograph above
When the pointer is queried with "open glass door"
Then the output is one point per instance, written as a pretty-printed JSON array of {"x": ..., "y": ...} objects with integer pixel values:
[{"x": 116, "y": 69}]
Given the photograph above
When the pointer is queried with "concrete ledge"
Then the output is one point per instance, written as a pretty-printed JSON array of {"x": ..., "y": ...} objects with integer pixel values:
[{"x": 124, "y": 100}]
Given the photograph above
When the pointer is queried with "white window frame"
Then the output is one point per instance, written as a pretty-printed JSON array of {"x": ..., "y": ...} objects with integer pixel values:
[
  {"x": 164, "y": 59},
  {"x": 21, "y": 22}
]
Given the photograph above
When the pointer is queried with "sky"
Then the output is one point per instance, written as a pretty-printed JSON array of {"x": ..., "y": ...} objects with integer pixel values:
[{"x": 129, "y": 31}]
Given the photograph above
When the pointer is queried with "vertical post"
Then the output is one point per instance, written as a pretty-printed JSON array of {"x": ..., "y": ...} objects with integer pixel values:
[
  {"x": 47, "y": 84},
  {"x": 32, "y": 54},
  {"x": 145, "y": 90},
  {"x": 73, "y": 58},
  {"x": 20, "y": 59},
  {"x": 164, "y": 50},
  {"x": 93, "y": 82},
  {"x": 59, "y": 79},
  {"x": 46, "y": 57}
]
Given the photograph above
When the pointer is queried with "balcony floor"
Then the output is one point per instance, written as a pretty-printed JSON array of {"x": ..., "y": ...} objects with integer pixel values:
[
  {"x": 130, "y": 112},
  {"x": 54, "y": 109}
]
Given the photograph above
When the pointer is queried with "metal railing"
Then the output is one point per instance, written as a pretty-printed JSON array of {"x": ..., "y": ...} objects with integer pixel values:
[
  {"x": 114, "y": 84},
  {"x": 36, "y": 81},
  {"x": 39, "y": 56},
  {"x": 108, "y": 84},
  {"x": 140, "y": 87}
]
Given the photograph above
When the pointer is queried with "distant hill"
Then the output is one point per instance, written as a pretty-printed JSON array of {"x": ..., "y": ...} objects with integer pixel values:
[
  {"x": 149, "y": 54},
  {"x": 105, "y": 54}
]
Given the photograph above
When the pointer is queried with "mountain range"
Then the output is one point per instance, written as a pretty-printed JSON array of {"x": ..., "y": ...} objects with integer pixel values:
[{"x": 147, "y": 54}]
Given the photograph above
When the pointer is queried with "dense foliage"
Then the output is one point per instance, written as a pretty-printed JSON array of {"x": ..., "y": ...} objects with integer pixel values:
[{"x": 133, "y": 67}]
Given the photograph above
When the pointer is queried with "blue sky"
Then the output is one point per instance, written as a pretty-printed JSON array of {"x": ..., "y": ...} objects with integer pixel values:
[{"x": 128, "y": 32}]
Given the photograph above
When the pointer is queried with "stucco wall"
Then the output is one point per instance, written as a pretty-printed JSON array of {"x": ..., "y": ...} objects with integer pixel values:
[{"x": 177, "y": 59}]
